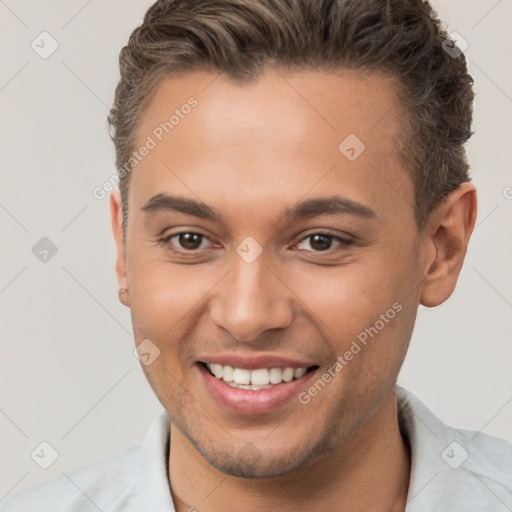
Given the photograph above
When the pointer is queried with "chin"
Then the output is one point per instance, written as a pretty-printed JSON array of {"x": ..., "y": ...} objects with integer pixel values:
[
  {"x": 251, "y": 461},
  {"x": 242, "y": 465}
]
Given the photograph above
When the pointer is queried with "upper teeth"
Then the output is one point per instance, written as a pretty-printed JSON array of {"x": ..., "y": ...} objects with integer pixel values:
[{"x": 255, "y": 379}]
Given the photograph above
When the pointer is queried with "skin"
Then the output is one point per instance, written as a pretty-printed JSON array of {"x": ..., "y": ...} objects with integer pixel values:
[{"x": 251, "y": 152}]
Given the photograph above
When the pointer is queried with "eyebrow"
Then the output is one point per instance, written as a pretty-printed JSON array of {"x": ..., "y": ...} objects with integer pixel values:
[
  {"x": 162, "y": 202},
  {"x": 330, "y": 205},
  {"x": 306, "y": 209}
]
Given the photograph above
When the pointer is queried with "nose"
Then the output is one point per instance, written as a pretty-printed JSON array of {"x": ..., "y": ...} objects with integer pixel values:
[{"x": 250, "y": 300}]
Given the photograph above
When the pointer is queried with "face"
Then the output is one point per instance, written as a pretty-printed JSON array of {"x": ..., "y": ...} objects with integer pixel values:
[{"x": 265, "y": 243}]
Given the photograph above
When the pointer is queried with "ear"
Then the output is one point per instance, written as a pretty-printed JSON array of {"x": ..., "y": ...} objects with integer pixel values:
[
  {"x": 116, "y": 213},
  {"x": 448, "y": 232}
]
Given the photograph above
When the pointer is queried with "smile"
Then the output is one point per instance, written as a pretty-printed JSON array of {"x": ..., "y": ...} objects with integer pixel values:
[
  {"x": 255, "y": 390},
  {"x": 255, "y": 380}
]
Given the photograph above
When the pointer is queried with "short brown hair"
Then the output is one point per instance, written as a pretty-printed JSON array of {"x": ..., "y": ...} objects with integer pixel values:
[{"x": 239, "y": 38}]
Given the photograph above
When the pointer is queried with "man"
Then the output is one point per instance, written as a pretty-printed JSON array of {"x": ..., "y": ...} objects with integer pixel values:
[{"x": 293, "y": 184}]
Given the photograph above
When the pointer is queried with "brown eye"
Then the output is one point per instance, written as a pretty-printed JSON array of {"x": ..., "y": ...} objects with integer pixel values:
[
  {"x": 321, "y": 242},
  {"x": 185, "y": 241},
  {"x": 190, "y": 241}
]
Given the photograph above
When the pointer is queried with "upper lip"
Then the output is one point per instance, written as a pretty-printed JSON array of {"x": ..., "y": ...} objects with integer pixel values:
[{"x": 255, "y": 362}]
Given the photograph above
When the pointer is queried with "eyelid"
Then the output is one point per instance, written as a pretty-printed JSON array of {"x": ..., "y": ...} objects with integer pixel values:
[
  {"x": 343, "y": 237},
  {"x": 166, "y": 239},
  {"x": 343, "y": 241}
]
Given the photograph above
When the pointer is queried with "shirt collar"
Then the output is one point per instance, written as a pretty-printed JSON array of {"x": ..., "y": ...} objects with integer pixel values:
[
  {"x": 153, "y": 477},
  {"x": 427, "y": 438}
]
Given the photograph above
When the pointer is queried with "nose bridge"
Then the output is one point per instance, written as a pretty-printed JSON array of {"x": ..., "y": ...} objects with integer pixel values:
[{"x": 251, "y": 300}]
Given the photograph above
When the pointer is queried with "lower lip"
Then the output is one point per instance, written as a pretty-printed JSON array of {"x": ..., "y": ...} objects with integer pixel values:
[{"x": 250, "y": 402}]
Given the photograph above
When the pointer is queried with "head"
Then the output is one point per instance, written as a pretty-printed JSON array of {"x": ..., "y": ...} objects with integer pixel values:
[{"x": 310, "y": 192}]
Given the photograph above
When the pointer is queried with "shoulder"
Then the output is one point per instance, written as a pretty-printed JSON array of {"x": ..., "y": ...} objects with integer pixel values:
[
  {"x": 487, "y": 458},
  {"x": 452, "y": 468},
  {"x": 99, "y": 485}
]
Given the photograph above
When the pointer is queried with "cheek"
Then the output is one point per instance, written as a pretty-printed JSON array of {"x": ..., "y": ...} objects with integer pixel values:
[
  {"x": 368, "y": 302},
  {"x": 347, "y": 299},
  {"x": 164, "y": 302},
  {"x": 163, "y": 293}
]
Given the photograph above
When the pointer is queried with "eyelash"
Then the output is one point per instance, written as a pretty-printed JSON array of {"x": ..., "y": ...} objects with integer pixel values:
[{"x": 166, "y": 242}]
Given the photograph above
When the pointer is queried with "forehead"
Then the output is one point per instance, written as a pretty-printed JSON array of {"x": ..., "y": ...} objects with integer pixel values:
[
  {"x": 278, "y": 137},
  {"x": 323, "y": 101}
]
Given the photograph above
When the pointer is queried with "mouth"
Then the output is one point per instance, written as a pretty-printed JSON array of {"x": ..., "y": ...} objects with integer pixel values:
[
  {"x": 257, "y": 379},
  {"x": 253, "y": 391}
]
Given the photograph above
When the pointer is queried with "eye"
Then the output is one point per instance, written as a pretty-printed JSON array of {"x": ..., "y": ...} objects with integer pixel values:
[
  {"x": 320, "y": 242},
  {"x": 187, "y": 241}
]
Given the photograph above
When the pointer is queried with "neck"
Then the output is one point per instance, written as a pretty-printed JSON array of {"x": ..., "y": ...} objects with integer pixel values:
[{"x": 373, "y": 466}]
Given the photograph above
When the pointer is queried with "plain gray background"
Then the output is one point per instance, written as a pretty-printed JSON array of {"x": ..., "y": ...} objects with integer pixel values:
[{"x": 68, "y": 374}]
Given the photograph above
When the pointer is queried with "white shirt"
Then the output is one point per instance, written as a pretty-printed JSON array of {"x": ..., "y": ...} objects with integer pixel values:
[{"x": 452, "y": 470}]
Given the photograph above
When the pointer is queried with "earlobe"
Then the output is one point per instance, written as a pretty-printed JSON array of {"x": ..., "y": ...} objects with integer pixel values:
[
  {"x": 116, "y": 213},
  {"x": 124, "y": 297},
  {"x": 451, "y": 225}
]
